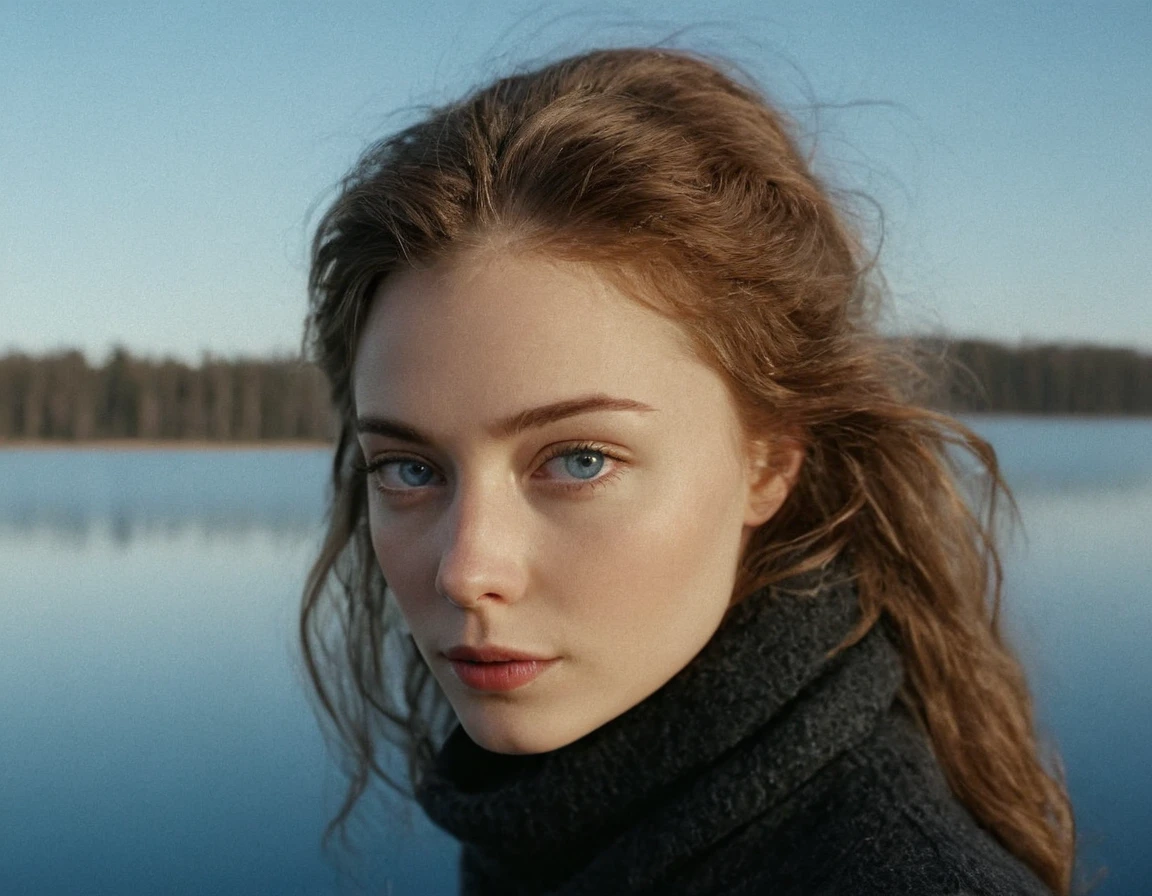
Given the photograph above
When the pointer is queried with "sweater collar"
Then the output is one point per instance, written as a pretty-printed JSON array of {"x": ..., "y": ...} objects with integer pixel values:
[{"x": 548, "y": 815}]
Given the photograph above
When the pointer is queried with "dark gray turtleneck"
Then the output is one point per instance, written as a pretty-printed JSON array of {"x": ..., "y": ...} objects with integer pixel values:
[{"x": 760, "y": 768}]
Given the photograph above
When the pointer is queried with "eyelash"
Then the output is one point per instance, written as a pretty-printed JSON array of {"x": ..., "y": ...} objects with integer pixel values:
[{"x": 587, "y": 485}]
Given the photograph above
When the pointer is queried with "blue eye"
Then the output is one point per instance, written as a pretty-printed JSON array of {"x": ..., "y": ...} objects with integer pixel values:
[
  {"x": 412, "y": 473},
  {"x": 398, "y": 474},
  {"x": 584, "y": 464},
  {"x": 582, "y": 467}
]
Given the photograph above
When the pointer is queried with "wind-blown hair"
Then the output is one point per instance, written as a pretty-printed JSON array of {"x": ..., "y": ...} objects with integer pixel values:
[{"x": 686, "y": 188}]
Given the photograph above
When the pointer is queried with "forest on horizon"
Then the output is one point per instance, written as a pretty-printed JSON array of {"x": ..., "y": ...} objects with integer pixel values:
[{"x": 61, "y": 396}]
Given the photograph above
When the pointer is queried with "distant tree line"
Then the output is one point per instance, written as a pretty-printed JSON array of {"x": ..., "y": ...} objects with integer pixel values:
[
  {"x": 979, "y": 376},
  {"x": 61, "y": 396}
]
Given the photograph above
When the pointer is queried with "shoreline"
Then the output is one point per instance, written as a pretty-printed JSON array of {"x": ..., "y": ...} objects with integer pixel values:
[
  {"x": 134, "y": 444},
  {"x": 160, "y": 445}
]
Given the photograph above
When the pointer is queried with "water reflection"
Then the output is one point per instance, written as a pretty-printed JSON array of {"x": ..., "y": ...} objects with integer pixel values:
[
  {"x": 74, "y": 493},
  {"x": 156, "y": 733},
  {"x": 1078, "y": 454}
]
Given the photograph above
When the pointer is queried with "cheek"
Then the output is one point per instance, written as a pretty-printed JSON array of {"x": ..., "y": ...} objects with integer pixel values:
[
  {"x": 402, "y": 553},
  {"x": 671, "y": 544},
  {"x": 686, "y": 538}
]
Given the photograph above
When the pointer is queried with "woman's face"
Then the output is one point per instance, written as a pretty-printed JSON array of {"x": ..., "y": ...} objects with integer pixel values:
[{"x": 553, "y": 474}]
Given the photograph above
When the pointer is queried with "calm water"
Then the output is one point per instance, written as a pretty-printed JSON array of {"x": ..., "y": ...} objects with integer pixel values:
[{"x": 155, "y": 737}]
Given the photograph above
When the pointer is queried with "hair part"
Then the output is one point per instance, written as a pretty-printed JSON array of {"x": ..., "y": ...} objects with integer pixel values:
[{"x": 688, "y": 191}]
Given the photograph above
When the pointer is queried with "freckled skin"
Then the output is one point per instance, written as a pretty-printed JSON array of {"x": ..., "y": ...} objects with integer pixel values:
[{"x": 625, "y": 581}]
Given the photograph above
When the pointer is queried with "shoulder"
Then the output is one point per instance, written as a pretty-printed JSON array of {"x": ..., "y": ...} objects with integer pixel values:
[{"x": 879, "y": 820}]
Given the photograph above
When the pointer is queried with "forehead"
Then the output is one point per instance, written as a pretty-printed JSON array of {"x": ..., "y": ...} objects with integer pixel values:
[{"x": 502, "y": 331}]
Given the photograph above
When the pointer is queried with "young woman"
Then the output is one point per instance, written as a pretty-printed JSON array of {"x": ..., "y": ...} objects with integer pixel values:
[{"x": 639, "y": 547}]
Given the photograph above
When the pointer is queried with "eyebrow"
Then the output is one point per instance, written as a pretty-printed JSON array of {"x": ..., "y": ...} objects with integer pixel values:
[{"x": 531, "y": 418}]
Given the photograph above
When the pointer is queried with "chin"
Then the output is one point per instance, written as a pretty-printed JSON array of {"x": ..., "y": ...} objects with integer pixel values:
[{"x": 521, "y": 737}]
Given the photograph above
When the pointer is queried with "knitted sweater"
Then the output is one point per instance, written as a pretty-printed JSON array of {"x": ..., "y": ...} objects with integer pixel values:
[{"x": 760, "y": 768}]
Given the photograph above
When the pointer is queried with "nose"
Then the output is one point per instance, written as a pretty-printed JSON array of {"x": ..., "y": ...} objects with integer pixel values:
[{"x": 482, "y": 556}]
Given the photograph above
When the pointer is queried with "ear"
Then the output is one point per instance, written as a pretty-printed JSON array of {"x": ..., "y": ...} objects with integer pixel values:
[{"x": 773, "y": 467}]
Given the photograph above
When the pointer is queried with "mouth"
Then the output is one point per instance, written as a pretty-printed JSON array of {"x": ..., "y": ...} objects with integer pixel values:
[
  {"x": 496, "y": 669},
  {"x": 506, "y": 676},
  {"x": 492, "y": 654}
]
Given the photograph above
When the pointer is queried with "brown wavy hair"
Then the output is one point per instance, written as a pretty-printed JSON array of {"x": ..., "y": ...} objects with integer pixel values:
[{"x": 680, "y": 182}]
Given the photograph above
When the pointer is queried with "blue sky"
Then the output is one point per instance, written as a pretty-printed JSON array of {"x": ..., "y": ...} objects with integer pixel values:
[{"x": 162, "y": 163}]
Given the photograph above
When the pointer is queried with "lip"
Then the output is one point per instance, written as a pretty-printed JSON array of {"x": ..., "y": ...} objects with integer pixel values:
[
  {"x": 492, "y": 654},
  {"x": 499, "y": 677},
  {"x": 496, "y": 669}
]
